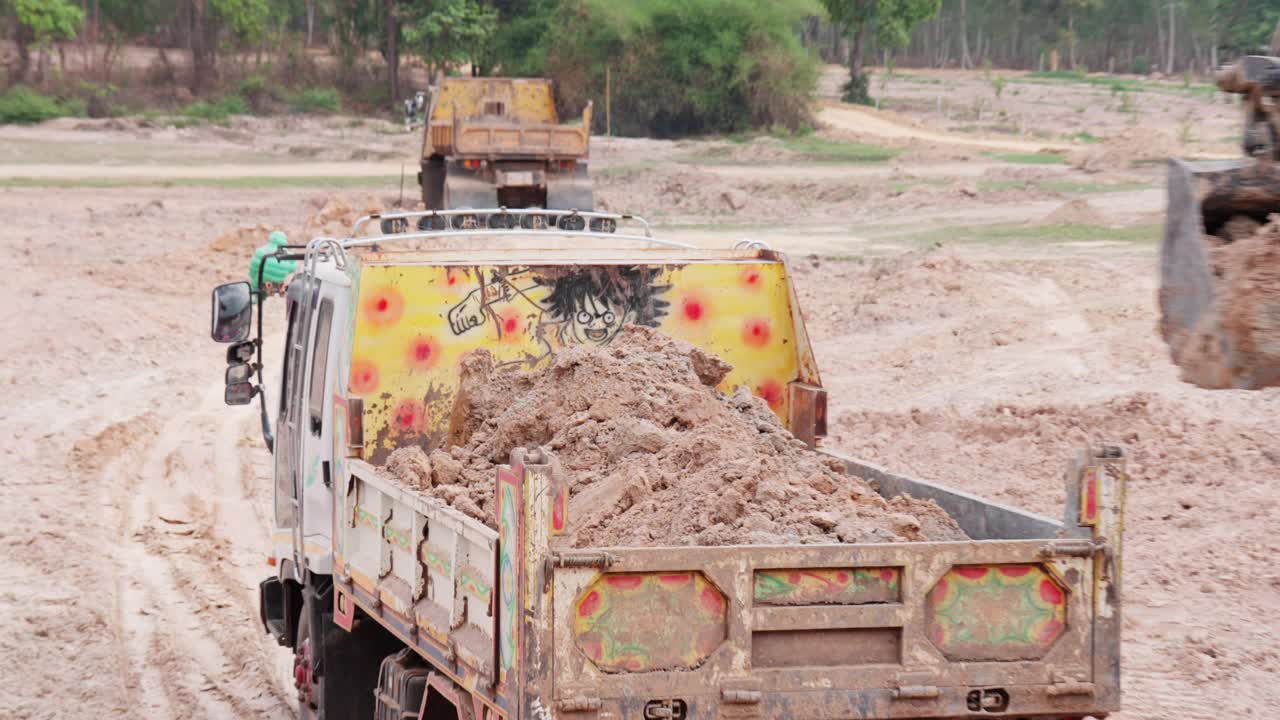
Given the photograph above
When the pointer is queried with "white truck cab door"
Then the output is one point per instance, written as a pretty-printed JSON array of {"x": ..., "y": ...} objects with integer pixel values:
[{"x": 315, "y": 476}]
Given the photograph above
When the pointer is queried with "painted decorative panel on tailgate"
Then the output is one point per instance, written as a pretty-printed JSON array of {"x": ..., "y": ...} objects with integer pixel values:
[{"x": 415, "y": 322}]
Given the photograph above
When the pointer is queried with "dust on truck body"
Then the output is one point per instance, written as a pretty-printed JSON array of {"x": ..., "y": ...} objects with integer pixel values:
[
  {"x": 491, "y": 142},
  {"x": 424, "y": 611}
]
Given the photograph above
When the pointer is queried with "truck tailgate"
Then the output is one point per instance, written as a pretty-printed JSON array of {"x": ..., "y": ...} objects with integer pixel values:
[{"x": 859, "y": 631}]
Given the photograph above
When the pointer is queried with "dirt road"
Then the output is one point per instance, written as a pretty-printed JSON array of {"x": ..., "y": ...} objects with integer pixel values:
[{"x": 139, "y": 503}]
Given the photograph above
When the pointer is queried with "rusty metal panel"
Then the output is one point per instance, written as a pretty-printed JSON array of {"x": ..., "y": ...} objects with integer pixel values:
[
  {"x": 868, "y": 683},
  {"x": 808, "y": 408},
  {"x": 826, "y": 647}
]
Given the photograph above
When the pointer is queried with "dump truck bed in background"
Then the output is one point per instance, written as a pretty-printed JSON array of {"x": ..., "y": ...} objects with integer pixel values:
[
  {"x": 494, "y": 142},
  {"x": 1023, "y": 621},
  {"x": 494, "y": 117}
]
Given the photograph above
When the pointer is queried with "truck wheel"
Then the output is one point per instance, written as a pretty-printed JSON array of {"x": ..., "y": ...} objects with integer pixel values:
[
  {"x": 310, "y": 688},
  {"x": 335, "y": 671}
]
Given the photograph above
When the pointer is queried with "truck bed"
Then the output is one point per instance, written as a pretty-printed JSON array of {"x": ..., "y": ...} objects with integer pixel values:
[{"x": 1023, "y": 618}]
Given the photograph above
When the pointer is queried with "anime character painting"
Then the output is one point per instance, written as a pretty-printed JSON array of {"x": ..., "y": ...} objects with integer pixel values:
[{"x": 587, "y": 306}]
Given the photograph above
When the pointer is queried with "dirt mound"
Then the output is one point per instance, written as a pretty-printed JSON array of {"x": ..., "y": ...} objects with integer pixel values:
[
  {"x": 1076, "y": 212},
  {"x": 242, "y": 240},
  {"x": 655, "y": 455},
  {"x": 1246, "y": 319},
  {"x": 1122, "y": 150},
  {"x": 337, "y": 215}
]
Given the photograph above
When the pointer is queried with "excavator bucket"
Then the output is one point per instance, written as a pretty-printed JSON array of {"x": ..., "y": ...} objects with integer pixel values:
[{"x": 1220, "y": 273}]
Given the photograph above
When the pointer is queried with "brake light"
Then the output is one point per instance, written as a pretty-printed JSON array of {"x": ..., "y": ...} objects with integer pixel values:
[
  {"x": 471, "y": 164},
  {"x": 566, "y": 164}
]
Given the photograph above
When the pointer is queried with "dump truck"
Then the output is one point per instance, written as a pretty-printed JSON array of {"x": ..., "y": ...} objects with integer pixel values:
[
  {"x": 1219, "y": 284},
  {"x": 492, "y": 141},
  {"x": 397, "y": 605}
]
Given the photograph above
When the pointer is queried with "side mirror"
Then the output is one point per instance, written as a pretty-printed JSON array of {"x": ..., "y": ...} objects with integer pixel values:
[
  {"x": 240, "y": 393},
  {"x": 232, "y": 312},
  {"x": 239, "y": 373},
  {"x": 241, "y": 352}
]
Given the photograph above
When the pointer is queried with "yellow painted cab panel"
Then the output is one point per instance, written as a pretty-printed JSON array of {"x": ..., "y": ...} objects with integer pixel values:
[{"x": 415, "y": 321}]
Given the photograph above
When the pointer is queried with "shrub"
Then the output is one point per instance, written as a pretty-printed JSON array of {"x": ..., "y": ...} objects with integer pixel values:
[
  {"x": 258, "y": 92},
  {"x": 855, "y": 90},
  {"x": 217, "y": 112},
  {"x": 24, "y": 105},
  {"x": 1141, "y": 65},
  {"x": 316, "y": 100}
]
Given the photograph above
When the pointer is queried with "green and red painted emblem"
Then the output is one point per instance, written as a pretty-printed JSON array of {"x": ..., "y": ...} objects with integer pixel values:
[
  {"x": 836, "y": 586},
  {"x": 996, "y": 612},
  {"x": 640, "y": 622}
]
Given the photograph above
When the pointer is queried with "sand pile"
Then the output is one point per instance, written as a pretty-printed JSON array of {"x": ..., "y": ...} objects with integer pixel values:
[
  {"x": 1120, "y": 151},
  {"x": 1245, "y": 256},
  {"x": 337, "y": 215},
  {"x": 241, "y": 240},
  {"x": 655, "y": 455},
  {"x": 1076, "y": 212}
]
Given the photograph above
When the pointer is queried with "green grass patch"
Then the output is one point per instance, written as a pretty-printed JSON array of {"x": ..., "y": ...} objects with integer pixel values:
[
  {"x": 247, "y": 182},
  {"x": 1029, "y": 234},
  {"x": 1115, "y": 84},
  {"x": 807, "y": 147},
  {"x": 23, "y": 105},
  {"x": 818, "y": 149},
  {"x": 625, "y": 169},
  {"x": 1083, "y": 137},
  {"x": 316, "y": 100},
  {"x": 1028, "y": 158}
]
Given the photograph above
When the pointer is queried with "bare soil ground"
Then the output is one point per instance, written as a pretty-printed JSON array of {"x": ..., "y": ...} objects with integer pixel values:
[{"x": 962, "y": 336}]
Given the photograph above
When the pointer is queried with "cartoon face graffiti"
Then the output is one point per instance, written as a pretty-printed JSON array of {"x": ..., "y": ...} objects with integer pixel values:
[
  {"x": 597, "y": 320},
  {"x": 592, "y": 306}
]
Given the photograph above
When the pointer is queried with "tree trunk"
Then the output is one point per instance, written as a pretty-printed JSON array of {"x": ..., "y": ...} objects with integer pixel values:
[
  {"x": 965, "y": 61},
  {"x": 393, "y": 49},
  {"x": 202, "y": 52},
  {"x": 311, "y": 21},
  {"x": 855, "y": 53},
  {"x": 1168, "y": 66},
  {"x": 1155, "y": 57},
  {"x": 1071, "y": 39}
]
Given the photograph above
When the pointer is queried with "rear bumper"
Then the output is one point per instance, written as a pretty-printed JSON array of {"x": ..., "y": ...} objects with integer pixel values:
[{"x": 1024, "y": 703}]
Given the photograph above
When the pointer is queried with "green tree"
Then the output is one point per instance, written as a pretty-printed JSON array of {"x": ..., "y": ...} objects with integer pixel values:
[
  {"x": 449, "y": 32},
  {"x": 39, "y": 22},
  {"x": 890, "y": 22}
]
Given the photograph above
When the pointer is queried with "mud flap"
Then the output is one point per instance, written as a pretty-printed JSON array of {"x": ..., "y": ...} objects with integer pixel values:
[
  {"x": 466, "y": 189},
  {"x": 570, "y": 191},
  {"x": 432, "y": 181}
]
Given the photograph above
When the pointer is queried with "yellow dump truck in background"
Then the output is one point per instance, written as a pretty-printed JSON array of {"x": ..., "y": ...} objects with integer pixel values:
[
  {"x": 396, "y": 605},
  {"x": 498, "y": 142}
]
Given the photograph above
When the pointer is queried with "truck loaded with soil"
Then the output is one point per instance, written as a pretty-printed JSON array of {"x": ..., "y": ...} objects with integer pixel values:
[{"x": 588, "y": 483}]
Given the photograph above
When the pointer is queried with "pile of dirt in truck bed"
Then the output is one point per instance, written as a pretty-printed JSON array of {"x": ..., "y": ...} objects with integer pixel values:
[
  {"x": 1245, "y": 256},
  {"x": 655, "y": 455}
]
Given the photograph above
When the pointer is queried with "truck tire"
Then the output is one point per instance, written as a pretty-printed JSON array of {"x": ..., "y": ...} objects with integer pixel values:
[
  {"x": 335, "y": 671},
  {"x": 433, "y": 183}
]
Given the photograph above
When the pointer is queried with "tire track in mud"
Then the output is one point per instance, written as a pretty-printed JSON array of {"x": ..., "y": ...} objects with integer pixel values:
[{"x": 186, "y": 533}]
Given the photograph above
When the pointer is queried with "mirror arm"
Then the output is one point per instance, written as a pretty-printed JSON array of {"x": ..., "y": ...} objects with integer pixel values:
[{"x": 268, "y": 436}]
